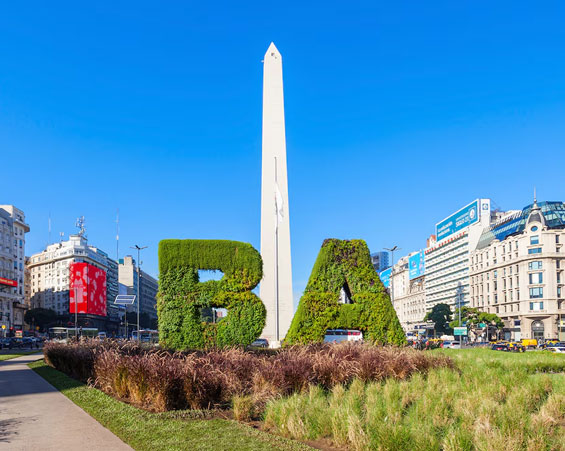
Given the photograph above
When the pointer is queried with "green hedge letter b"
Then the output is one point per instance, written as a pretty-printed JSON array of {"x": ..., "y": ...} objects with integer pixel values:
[
  {"x": 182, "y": 296},
  {"x": 345, "y": 292}
]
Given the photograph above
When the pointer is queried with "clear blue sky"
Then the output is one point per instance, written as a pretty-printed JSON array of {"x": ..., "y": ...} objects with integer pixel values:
[{"x": 398, "y": 113}]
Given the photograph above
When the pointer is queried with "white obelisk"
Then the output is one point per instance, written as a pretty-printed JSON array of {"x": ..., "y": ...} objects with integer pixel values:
[{"x": 276, "y": 285}]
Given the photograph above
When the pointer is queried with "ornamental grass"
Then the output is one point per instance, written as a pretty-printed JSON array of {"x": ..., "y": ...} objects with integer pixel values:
[{"x": 160, "y": 380}]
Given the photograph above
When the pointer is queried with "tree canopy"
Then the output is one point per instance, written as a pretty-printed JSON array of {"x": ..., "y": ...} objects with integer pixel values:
[
  {"x": 440, "y": 315},
  {"x": 40, "y": 317}
]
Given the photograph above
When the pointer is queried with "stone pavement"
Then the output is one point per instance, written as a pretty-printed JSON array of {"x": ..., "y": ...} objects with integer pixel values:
[{"x": 36, "y": 416}]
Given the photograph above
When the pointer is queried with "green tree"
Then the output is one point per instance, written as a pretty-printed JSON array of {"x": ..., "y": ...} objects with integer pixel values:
[
  {"x": 473, "y": 318},
  {"x": 440, "y": 315},
  {"x": 40, "y": 317}
]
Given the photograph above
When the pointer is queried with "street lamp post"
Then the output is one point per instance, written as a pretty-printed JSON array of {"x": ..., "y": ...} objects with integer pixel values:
[
  {"x": 394, "y": 248},
  {"x": 139, "y": 249}
]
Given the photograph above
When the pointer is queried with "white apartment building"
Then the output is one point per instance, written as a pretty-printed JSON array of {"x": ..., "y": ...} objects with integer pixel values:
[
  {"x": 517, "y": 272},
  {"x": 408, "y": 296},
  {"x": 50, "y": 282},
  {"x": 447, "y": 258},
  {"x": 12, "y": 267}
]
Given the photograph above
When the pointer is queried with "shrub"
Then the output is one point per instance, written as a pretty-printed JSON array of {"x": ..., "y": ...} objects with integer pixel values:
[
  {"x": 345, "y": 264},
  {"x": 182, "y": 297},
  {"x": 159, "y": 380}
]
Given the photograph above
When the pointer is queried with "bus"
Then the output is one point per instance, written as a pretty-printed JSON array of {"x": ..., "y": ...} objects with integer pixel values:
[
  {"x": 66, "y": 333},
  {"x": 339, "y": 335},
  {"x": 147, "y": 336}
]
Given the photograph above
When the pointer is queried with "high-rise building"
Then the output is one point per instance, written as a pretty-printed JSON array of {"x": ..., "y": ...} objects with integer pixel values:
[
  {"x": 517, "y": 272},
  {"x": 128, "y": 277},
  {"x": 380, "y": 260},
  {"x": 12, "y": 269},
  {"x": 52, "y": 285},
  {"x": 447, "y": 257}
]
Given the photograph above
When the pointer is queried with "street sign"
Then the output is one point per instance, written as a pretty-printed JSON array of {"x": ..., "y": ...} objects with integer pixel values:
[
  {"x": 124, "y": 299},
  {"x": 459, "y": 331}
]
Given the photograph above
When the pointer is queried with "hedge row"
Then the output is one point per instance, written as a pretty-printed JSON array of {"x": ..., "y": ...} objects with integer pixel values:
[{"x": 160, "y": 381}]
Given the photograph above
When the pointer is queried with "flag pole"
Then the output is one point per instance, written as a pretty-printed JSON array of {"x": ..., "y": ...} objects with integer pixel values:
[{"x": 276, "y": 259}]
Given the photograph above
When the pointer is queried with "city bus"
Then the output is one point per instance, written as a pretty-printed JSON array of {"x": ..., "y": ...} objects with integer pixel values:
[
  {"x": 66, "y": 333},
  {"x": 147, "y": 336}
]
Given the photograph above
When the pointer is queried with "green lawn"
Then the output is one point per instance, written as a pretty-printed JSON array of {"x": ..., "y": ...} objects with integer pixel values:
[
  {"x": 496, "y": 401},
  {"x": 17, "y": 354},
  {"x": 167, "y": 431}
]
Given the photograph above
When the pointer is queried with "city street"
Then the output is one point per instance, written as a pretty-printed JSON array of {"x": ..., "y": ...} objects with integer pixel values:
[{"x": 34, "y": 415}]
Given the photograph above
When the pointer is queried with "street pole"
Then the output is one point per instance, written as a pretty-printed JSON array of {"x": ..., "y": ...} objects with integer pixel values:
[
  {"x": 76, "y": 312},
  {"x": 139, "y": 249}
]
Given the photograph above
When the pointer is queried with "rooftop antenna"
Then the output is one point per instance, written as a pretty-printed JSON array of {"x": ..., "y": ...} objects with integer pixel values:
[
  {"x": 61, "y": 235},
  {"x": 535, "y": 197},
  {"x": 80, "y": 225}
]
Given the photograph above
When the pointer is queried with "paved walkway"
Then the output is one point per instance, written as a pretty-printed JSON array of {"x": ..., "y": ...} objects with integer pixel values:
[{"x": 36, "y": 416}]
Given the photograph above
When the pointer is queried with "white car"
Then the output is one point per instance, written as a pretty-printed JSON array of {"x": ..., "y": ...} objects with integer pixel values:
[
  {"x": 339, "y": 335},
  {"x": 557, "y": 349},
  {"x": 451, "y": 345}
]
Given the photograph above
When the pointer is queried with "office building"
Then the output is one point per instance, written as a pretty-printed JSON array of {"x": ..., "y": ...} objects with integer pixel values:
[
  {"x": 380, "y": 261},
  {"x": 447, "y": 257},
  {"x": 517, "y": 272},
  {"x": 12, "y": 269},
  {"x": 408, "y": 295},
  {"x": 148, "y": 289}
]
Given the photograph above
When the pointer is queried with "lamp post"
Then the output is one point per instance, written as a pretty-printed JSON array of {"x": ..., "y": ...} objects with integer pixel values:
[
  {"x": 394, "y": 248},
  {"x": 139, "y": 249}
]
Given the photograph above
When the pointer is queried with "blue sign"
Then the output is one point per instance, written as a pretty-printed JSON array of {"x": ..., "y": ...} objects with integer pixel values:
[
  {"x": 465, "y": 217},
  {"x": 416, "y": 265},
  {"x": 385, "y": 277}
]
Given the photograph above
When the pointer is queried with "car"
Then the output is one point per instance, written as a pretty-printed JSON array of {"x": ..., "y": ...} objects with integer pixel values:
[
  {"x": 557, "y": 349},
  {"x": 516, "y": 346},
  {"x": 448, "y": 344},
  {"x": 260, "y": 343},
  {"x": 500, "y": 347}
]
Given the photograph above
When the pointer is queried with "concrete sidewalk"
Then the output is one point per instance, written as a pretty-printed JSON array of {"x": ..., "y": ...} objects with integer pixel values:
[{"x": 36, "y": 416}]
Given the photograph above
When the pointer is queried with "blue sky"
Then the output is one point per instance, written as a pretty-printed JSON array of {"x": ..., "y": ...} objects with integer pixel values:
[{"x": 397, "y": 115}]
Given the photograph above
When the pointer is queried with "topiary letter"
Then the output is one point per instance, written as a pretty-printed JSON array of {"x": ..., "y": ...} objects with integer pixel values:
[
  {"x": 344, "y": 268},
  {"x": 182, "y": 296}
]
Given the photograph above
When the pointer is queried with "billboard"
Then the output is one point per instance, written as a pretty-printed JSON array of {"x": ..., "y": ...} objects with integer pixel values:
[
  {"x": 465, "y": 217},
  {"x": 416, "y": 265},
  {"x": 385, "y": 277},
  {"x": 89, "y": 283},
  {"x": 9, "y": 282}
]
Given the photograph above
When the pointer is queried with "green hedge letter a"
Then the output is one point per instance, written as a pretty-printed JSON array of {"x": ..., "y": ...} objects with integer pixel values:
[
  {"x": 182, "y": 296},
  {"x": 345, "y": 292}
]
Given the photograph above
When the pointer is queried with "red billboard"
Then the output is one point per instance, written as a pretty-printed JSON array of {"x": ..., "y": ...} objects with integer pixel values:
[
  {"x": 89, "y": 284},
  {"x": 9, "y": 282}
]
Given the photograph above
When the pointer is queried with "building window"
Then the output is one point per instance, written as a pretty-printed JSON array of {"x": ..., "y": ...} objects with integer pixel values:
[
  {"x": 534, "y": 239},
  {"x": 536, "y": 292},
  {"x": 536, "y": 277},
  {"x": 534, "y": 229},
  {"x": 495, "y": 274},
  {"x": 536, "y": 306},
  {"x": 558, "y": 292},
  {"x": 558, "y": 264},
  {"x": 534, "y": 250},
  {"x": 558, "y": 276},
  {"x": 534, "y": 265}
]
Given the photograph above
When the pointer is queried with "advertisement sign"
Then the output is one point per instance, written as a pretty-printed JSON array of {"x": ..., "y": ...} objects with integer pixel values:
[
  {"x": 416, "y": 265},
  {"x": 459, "y": 331},
  {"x": 9, "y": 282},
  {"x": 89, "y": 283},
  {"x": 385, "y": 277},
  {"x": 465, "y": 217}
]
